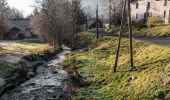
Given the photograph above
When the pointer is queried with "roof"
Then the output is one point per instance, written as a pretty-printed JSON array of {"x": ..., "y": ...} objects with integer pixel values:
[
  {"x": 21, "y": 24},
  {"x": 91, "y": 21}
]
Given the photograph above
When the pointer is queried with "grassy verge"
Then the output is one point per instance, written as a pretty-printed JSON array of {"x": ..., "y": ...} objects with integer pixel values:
[
  {"x": 23, "y": 47},
  {"x": 6, "y": 69},
  {"x": 149, "y": 80},
  {"x": 157, "y": 31}
]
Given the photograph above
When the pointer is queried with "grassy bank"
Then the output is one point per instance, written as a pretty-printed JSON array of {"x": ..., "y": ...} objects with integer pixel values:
[
  {"x": 149, "y": 80},
  {"x": 22, "y": 46},
  {"x": 157, "y": 31},
  {"x": 16, "y": 48}
]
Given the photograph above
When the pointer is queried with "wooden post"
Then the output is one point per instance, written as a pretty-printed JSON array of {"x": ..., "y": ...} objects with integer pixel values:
[
  {"x": 120, "y": 34},
  {"x": 86, "y": 23},
  {"x": 110, "y": 15},
  {"x": 97, "y": 23},
  {"x": 130, "y": 34},
  {"x": 102, "y": 21}
]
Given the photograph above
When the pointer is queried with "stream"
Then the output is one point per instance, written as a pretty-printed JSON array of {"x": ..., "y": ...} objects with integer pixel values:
[{"x": 48, "y": 84}]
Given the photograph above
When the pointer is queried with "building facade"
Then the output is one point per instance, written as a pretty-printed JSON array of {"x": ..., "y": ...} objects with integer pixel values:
[
  {"x": 142, "y": 9},
  {"x": 17, "y": 28}
]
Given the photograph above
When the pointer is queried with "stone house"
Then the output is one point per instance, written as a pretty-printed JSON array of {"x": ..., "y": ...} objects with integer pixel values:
[
  {"x": 18, "y": 29},
  {"x": 142, "y": 9},
  {"x": 92, "y": 23}
]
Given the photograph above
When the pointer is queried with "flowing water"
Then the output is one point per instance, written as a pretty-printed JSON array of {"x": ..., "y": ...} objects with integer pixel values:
[{"x": 48, "y": 84}]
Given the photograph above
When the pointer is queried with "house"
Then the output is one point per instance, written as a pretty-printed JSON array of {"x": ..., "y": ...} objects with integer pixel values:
[
  {"x": 93, "y": 22},
  {"x": 18, "y": 29},
  {"x": 142, "y": 9}
]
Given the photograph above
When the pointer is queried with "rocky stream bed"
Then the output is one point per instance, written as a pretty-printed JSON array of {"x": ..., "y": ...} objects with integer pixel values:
[{"x": 48, "y": 83}]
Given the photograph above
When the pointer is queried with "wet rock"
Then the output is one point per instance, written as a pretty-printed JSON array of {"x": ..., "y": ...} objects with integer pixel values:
[
  {"x": 65, "y": 96},
  {"x": 30, "y": 75},
  {"x": 55, "y": 72},
  {"x": 2, "y": 82},
  {"x": 38, "y": 63}
]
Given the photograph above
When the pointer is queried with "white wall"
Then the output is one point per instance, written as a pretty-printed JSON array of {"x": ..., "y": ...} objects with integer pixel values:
[{"x": 157, "y": 8}]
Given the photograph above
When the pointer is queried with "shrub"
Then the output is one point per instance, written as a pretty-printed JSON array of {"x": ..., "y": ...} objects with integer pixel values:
[
  {"x": 83, "y": 40},
  {"x": 152, "y": 21}
]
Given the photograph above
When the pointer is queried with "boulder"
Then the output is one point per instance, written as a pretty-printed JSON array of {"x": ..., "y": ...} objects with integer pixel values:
[
  {"x": 30, "y": 75},
  {"x": 2, "y": 82}
]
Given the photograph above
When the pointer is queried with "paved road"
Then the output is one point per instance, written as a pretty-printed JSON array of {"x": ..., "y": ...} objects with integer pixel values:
[{"x": 161, "y": 41}]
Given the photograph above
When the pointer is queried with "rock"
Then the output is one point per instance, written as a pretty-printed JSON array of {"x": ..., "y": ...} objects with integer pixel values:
[
  {"x": 30, "y": 75},
  {"x": 166, "y": 80},
  {"x": 2, "y": 82},
  {"x": 38, "y": 63},
  {"x": 132, "y": 78},
  {"x": 55, "y": 72}
]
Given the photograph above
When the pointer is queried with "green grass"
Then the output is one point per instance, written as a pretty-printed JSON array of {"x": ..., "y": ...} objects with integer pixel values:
[
  {"x": 145, "y": 82},
  {"x": 157, "y": 31},
  {"x": 6, "y": 68}
]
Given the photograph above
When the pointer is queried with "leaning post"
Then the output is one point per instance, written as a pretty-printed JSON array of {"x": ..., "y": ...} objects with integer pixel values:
[
  {"x": 120, "y": 35},
  {"x": 97, "y": 24}
]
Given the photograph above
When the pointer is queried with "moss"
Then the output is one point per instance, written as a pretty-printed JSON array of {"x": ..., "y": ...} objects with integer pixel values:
[
  {"x": 6, "y": 68},
  {"x": 151, "y": 64}
]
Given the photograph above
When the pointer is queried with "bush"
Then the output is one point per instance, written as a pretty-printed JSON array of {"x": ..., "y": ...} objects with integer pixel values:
[
  {"x": 83, "y": 40},
  {"x": 152, "y": 21}
]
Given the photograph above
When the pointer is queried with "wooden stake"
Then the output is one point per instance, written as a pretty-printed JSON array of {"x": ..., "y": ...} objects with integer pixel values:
[
  {"x": 110, "y": 15},
  {"x": 130, "y": 34},
  {"x": 97, "y": 23},
  {"x": 120, "y": 34}
]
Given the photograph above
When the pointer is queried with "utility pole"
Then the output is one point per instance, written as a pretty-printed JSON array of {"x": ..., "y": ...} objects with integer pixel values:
[
  {"x": 97, "y": 23},
  {"x": 130, "y": 34},
  {"x": 120, "y": 35}
]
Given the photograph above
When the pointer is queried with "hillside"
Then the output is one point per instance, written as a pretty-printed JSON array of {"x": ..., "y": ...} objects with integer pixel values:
[{"x": 148, "y": 80}]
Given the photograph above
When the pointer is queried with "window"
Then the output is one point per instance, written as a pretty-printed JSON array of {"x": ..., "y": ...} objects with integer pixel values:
[
  {"x": 136, "y": 16},
  {"x": 165, "y": 3},
  {"x": 149, "y": 5},
  {"x": 164, "y": 14},
  {"x": 137, "y": 5}
]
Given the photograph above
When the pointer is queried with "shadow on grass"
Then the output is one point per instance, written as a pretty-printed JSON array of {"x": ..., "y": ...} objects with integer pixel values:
[{"x": 144, "y": 66}]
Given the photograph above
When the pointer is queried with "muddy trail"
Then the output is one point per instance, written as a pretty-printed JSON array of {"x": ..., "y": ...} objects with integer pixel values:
[{"x": 48, "y": 84}]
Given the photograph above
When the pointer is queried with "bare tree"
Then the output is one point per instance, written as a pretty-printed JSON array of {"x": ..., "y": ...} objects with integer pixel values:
[
  {"x": 57, "y": 20},
  {"x": 3, "y": 16},
  {"x": 112, "y": 8},
  {"x": 14, "y": 13}
]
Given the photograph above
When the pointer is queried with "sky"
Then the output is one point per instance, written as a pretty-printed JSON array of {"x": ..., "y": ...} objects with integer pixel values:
[{"x": 26, "y": 5}]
